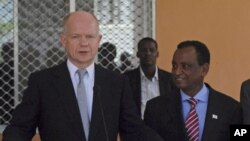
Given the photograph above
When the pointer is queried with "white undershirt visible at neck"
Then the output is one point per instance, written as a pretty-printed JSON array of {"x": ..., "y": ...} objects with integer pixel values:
[{"x": 149, "y": 89}]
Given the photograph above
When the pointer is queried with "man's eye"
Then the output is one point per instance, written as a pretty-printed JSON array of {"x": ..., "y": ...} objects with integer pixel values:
[
  {"x": 90, "y": 36},
  {"x": 174, "y": 66},
  {"x": 152, "y": 50},
  {"x": 75, "y": 37},
  {"x": 186, "y": 66}
]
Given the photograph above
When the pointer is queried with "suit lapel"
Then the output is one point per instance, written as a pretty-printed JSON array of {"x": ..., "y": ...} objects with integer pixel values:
[
  {"x": 63, "y": 84},
  {"x": 135, "y": 83},
  {"x": 162, "y": 85},
  {"x": 137, "y": 93},
  {"x": 97, "y": 118},
  {"x": 211, "y": 116},
  {"x": 97, "y": 123},
  {"x": 176, "y": 111}
]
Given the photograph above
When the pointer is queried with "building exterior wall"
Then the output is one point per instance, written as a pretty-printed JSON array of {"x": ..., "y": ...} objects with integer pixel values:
[{"x": 222, "y": 25}]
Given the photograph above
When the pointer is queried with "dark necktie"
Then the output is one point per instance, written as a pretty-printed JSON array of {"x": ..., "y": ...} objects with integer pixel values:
[
  {"x": 192, "y": 122},
  {"x": 82, "y": 102}
]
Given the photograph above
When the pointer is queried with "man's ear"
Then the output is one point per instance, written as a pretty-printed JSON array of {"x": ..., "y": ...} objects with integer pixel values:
[
  {"x": 137, "y": 54},
  {"x": 205, "y": 69},
  {"x": 62, "y": 39},
  {"x": 100, "y": 38}
]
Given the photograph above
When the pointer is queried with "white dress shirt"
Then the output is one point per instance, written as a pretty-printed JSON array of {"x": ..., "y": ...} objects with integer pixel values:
[{"x": 149, "y": 89}]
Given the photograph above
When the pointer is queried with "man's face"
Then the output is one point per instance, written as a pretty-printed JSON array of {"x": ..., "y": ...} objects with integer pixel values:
[
  {"x": 188, "y": 75},
  {"x": 147, "y": 53},
  {"x": 81, "y": 39}
]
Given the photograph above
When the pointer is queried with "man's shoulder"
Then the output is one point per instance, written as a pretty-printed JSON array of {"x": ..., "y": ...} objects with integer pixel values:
[
  {"x": 132, "y": 73},
  {"x": 107, "y": 75},
  {"x": 164, "y": 72},
  {"x": 57, "y": 69},
  {"x": 222, "y": 97},
  {"x": 246, "y": 83},
  {"x": 165, "y": 99},
  {"x": 158, "y": 99},
  {"x": 224, "y": 105},
  {"x": 101, "y": 70}
]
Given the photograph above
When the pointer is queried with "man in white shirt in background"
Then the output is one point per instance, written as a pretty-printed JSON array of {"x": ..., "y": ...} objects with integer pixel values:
[{"x": 148, "y": 80}]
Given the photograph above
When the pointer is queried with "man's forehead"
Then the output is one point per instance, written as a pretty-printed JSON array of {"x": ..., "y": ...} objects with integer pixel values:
[{"x": 185, "y": 54}]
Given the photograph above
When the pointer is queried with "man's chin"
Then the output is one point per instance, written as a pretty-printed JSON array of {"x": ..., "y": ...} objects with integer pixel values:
[
  {"x": 180, "y": 85},
  {"x": 149, "y": 63}
]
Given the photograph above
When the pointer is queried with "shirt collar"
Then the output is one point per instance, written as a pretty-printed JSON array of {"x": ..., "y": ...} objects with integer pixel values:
[
  {"x": 202, "y": 95},
  {"x": 72, "y": 69},
  {"x": 156, "y": 76}
]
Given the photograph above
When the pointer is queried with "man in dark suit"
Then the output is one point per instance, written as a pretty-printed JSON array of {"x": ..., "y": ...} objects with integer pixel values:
[
  {"x": 209, "y": 112},
  {"x": 245, "y": 100},
  {"x": 148, "y": 81},
  {"x": 51, "y": 101}
]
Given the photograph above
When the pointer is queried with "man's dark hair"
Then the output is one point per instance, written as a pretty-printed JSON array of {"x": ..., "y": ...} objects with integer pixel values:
[
  {"x": 203, "y": 54},
  {"x": 146, "y": 39},
  {"x": 107, "y": 51},
  {"x": 109, "y": 48}
]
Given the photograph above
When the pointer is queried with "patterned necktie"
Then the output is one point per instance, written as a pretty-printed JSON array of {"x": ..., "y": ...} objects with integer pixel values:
[
  {"x": 192, "y": 122},
  {"x": 82, "y": 102}
]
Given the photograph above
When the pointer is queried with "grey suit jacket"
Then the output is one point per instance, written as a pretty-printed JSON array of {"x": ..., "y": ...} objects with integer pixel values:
[
  {"x": 50, "y": 104},
  {"x": 165, "y": 84},
  {"x": 164, "y": 114},
  {"x": 245, "y": 100}
]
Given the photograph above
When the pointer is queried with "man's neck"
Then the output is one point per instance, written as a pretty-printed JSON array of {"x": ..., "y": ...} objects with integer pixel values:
[{"x": 149, "y": 71}]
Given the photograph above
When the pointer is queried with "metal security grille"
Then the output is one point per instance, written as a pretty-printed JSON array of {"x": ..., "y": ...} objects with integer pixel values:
[
  {"x": 29, "y": 39},
  {"x": 123, "y": 24},
  {"x": 6, "y": 60}
]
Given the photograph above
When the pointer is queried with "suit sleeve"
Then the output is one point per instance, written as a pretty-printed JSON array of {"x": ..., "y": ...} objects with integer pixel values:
[
  {"x": 132, "y": 128},
  {"x": 23, "y": 124},
  {"x": 245, "y": 101}
]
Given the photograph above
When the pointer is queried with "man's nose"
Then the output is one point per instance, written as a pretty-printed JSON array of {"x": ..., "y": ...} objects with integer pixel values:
[
  {"x": 177, "y": 70},
  {"x": 84, "y": 41}
]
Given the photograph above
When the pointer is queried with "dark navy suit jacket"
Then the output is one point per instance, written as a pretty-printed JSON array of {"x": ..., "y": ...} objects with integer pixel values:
[
  {"x": 245, "y": 100},
  {"x": 165, "y": 84},
  {"x": 50, "y": 104},
  {"x": 164, "y": 114}
]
